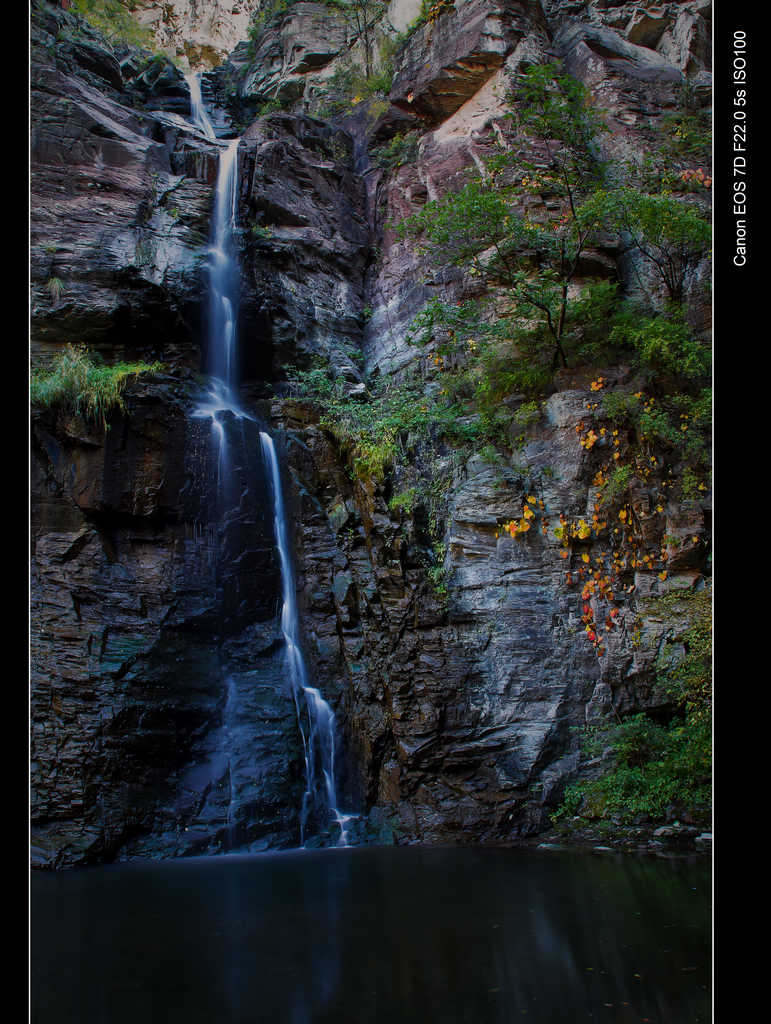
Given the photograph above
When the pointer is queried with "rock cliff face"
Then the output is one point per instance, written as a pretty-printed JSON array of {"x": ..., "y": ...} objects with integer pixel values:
[
  {"x": 161, "y": 718},
  {"x": 200, "y": 33}
]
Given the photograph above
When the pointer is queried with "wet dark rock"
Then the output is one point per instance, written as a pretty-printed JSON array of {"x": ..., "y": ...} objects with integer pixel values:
[
  {"x": 305, "y": 241},
  {"x": 158, "y": 84},
  {"x": 154, "y": 640},
  {"x": 122, "y": 201}
]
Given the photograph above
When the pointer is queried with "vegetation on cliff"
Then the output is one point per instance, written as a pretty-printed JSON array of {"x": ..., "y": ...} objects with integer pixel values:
[
  {"x": 491, "y": 361},
  {"x": 654, "y": 770},
  {"x": 537, "y": 311},
  {"x": 530, "y": 267},
  {"x": 115, "y": 20},
  {"x": 79, "y": 384}
]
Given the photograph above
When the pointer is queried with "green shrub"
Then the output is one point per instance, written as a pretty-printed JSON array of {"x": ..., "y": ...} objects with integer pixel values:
[
  {"x": 663, "y": 343},
  {"x": 393, "y": 416},
  {"x": 404, "y": 501},
  {"x": 670, "y": 234},
  {"x": 79, "y": 385},
  {"x": 526, "y": 415},
  {"x": 656, "y": 767},
  {"x": 273, "y": 106},
  {"x": 617, "y": 484},
  {"x": 620, "y": 407},
  {"x": 401, "y": 149},
  {"x": 688, "y": 135},
  {"x": 437, "y": 574},
  {"x": 349, "y": 85}
]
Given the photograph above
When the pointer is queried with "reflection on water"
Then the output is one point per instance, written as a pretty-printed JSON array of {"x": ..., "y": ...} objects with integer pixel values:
[{"x": 374, "y": 935}]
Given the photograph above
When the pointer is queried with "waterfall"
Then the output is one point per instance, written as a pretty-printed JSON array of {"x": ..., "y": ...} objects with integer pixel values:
[
  {"x": 223, "y": 272},
  {"x": 197, "y": 109},
  {"x": 319, "y": 741},
  {"x": 220, "y": 399},
  {"x": 220, "y": 403}
]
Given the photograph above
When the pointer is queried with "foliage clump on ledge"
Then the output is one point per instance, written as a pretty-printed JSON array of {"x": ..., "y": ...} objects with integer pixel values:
[
  {"x": 656, "y": 769},
  {"x": 78, "y": 384},
  {"x": 116, "y": 21}
]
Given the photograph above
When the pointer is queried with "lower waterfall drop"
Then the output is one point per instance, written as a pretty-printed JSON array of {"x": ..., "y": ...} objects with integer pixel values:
[{"x": 319, "y": 742}]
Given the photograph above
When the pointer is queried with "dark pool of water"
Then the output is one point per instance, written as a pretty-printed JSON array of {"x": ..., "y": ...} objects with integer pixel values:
[{"x": 374, "y": 935}]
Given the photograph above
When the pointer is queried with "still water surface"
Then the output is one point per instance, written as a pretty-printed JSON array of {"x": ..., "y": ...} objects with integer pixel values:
[{"x": 371, "y": 935}]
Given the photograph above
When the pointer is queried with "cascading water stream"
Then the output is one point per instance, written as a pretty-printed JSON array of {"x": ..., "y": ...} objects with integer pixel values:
[
  {"x": 197, "y": 109},
  {"x": 223, "y": 270},
  {"x": 319, "y": 743},
  {"x": 319, "y": 737},
  {"x": 223, "y": 274}
]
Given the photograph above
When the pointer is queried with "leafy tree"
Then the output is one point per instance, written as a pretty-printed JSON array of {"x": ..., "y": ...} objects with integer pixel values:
[
  {"x": 363, "y": 17},
  {"x": 669, "y": 233},
  {"x": 482, "y": 227}
]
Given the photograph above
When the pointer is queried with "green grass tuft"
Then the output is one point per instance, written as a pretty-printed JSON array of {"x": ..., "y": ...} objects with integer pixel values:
[{"x": 77, "y": 384}]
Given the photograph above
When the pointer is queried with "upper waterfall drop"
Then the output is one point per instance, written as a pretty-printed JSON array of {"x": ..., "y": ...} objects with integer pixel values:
[
  {"x": 223, "y": 270},
  {"x": 224, "y": 273},
  {"x": 197, "y": 109}
]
